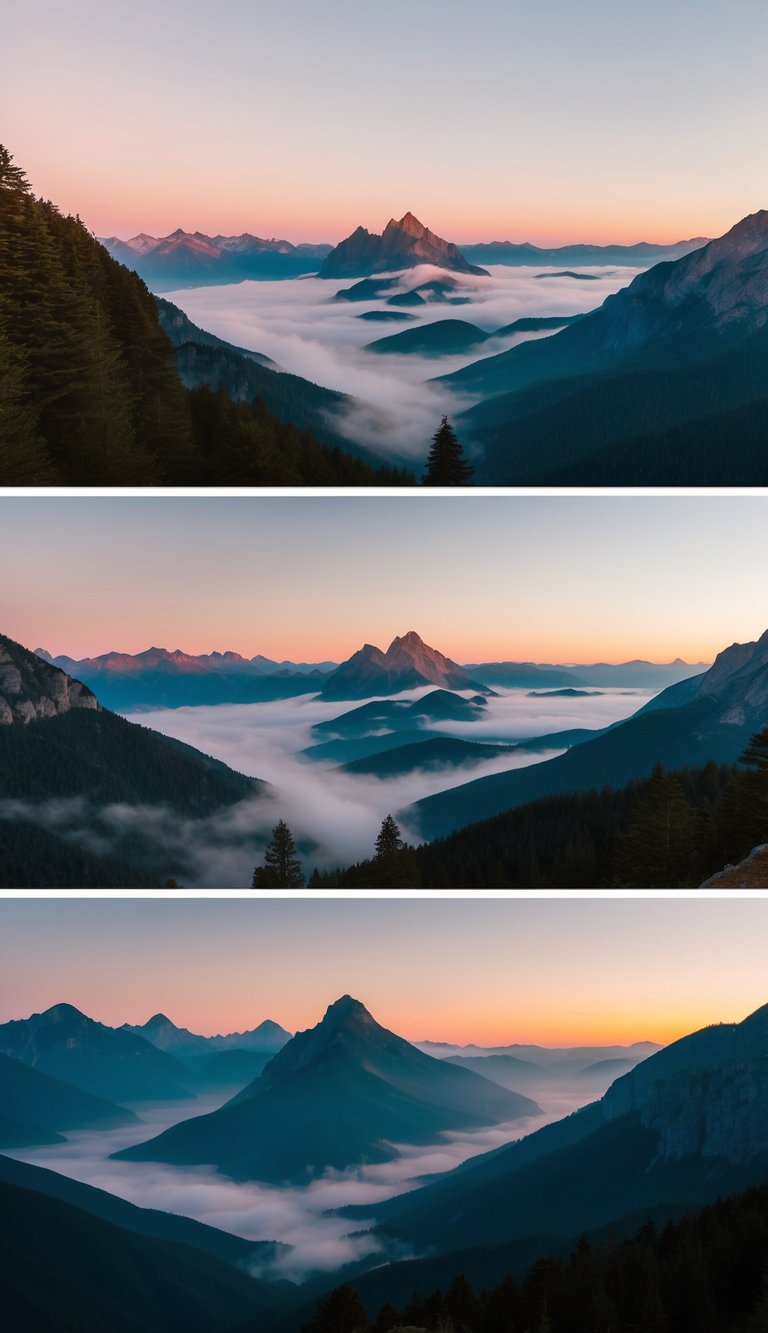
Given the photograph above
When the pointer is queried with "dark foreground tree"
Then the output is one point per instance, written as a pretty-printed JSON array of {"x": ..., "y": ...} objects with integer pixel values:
[
  {"x": 340, "y": 1312},
  {"x": 281, "y": 868},
  {"x": 389, "y": 841},
  {"x": 446, "y": 464}
]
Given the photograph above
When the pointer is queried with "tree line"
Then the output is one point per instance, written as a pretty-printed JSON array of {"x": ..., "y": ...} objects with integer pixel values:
[
  {"x": 704, "y": 1273},
  {"x": 671, "y": 830},
  {"x": 90, "y": 395}
]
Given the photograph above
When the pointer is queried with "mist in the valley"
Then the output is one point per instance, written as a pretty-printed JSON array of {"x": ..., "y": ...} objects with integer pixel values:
[
  {"x": 335, "y": 815},
  {"x": 296, "y": 1217},
  {"x": 299, "y": 325}
]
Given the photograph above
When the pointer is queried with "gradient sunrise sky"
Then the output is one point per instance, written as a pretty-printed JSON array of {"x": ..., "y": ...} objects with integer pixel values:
[
  {"x": 539, "y": 120},
  {"x": 480, "y": 577},
  {"x": 558, "y": 971}
]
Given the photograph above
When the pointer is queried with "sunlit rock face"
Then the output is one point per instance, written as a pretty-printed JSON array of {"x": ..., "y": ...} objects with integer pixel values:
[
  {"x": 31, "y": 688},
  {"x": 403, "y": 244}
]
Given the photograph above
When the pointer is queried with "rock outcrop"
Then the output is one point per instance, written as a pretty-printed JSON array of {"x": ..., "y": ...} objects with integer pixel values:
[{"x": 31, "y": 688}]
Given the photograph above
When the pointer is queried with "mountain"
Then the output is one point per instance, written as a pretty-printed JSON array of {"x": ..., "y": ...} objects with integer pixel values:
[
  {"x": 641, "y": 255},
  {"x": 714, "y": 295},
  {"x": 71, "y": 750},
  {"x": 337, "y": 1095},
  {"x": 633, "y": 675},
  {"x": 407, "y": 664},
  {"x": 91, "y": 385},
  {"x": 192, "y": 259},
  {"x": 35, "y": 1108},
  {"x": 444, "y": 337},
  {"x": 116, "y": 1065},
  {"x": 268, "y": 1037},
  {"x": 682, "y": 1127},
  {"x": 430, "y": 756},
  {"x": 67, "y": 1271},
  {"x": 143, "y": 1221},
  {"x": 204, "y": 361},
  {"x": 171, "y": 678},
  {"x": 403, "y": 244},
  {"x": 31, "y": 690},
  {"x": 685, "y": 342},
  {"x": 398, "y": 715},
  {"x": 710, "y": 716}
]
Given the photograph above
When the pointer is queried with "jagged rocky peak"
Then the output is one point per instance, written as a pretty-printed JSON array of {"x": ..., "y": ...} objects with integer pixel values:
[
  {"x": 31, "y": 688},
  {"x": 403, "y": 244}
]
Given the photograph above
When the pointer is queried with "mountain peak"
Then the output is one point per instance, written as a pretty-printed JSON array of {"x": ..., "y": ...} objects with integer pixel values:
[
  {"x": 344, "y": 1010},
  {"x": 403, "y": 244}
]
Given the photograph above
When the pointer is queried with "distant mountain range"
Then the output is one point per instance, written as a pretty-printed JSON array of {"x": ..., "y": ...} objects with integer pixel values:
[
  {"x": 268, "y": 1037},
  {"x": 641, "y": 255},
  {"x": 666, "y": 382},
  {"x": 114, "y": 1065},
  {"x": 192, "y": 259},
  {"x": 711, "y": 715},
  {"x": 403, "y": 244},
  {"x": 337, "y": 1095},
  {"x": 407, "y": 663},
  {"x": 170, "y": 678}
]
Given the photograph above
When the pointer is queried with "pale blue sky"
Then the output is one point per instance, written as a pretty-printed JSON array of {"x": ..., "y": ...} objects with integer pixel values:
[
  {"x": 480, "y": 577},
  {"x": 541, "y": 120}
]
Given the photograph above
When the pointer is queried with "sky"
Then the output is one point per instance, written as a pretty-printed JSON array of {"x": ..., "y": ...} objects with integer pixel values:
[
  {"x": 538, "y": 120},
  {"x": 479, "y": 577},
  {"x": 552, "y": 972}
]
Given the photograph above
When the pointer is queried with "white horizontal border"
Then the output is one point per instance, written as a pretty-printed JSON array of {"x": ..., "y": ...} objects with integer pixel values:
[
  {"x": 428, "y": 895},
  {"x": 376, "y": 492}
]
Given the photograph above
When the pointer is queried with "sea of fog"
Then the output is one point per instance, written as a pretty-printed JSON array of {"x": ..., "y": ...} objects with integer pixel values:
[
  {"x": 299, "y": 325},
  {"x": 337, "y": 814},
  {"x": 295, "y": 1216}
]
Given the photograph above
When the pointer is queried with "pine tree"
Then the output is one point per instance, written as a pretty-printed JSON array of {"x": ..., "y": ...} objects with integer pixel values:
[
  {"x": 389, "y": 841},
  {"x": 341, "y": 1311},
  {"x": 281, "y": 869},
  {"x": 446, "y": 464}
]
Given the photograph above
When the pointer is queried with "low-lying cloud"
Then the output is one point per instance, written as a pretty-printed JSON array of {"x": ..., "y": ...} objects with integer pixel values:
[
  {"x": 296, "y": 1217},
  {"x": 299, "y": 325},
  {"x": 335, "y": 816}
]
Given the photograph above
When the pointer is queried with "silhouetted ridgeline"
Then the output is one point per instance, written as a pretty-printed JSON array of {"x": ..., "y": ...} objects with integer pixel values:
[
  {"x": 705, "y": 1272},
  {"x": 89, "y": 393}
]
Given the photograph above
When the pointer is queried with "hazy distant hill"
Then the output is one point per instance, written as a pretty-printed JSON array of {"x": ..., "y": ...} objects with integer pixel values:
[
  {"x": 339, "y": 1094},
  {"x": 641, "y": 255}
]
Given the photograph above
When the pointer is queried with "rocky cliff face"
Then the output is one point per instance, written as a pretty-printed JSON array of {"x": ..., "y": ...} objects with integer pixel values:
[
  {"x": 706, "y": 1094},
  {"x": 31, "y": 688},
  {"x": 403, "y": 244}
]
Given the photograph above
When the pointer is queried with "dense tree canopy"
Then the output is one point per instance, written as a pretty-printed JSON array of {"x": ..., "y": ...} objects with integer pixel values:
[
  {"x": 671, "y": 830},
  {"x": 705, "y": 1272},
  {"x": 89, "y": 391}
]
